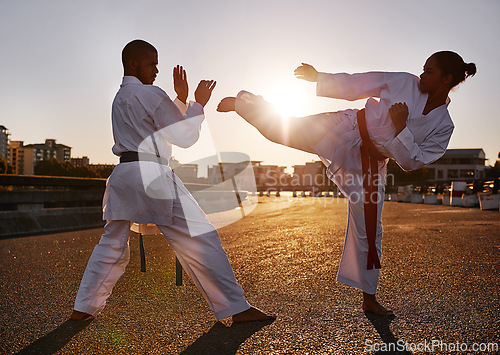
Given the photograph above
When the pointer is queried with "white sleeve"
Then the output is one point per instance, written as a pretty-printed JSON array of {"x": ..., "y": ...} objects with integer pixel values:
[
  {"x": 411, "y": 156},
  {"x": 179, "y": 126},
  {"x": 359, "y": 86},
  {"x": 181, "y": 106}
]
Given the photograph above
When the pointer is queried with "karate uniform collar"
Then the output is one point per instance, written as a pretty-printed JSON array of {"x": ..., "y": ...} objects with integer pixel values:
[
  {"x": 445, "y": 105},
  {"x": 130, "y": 80}
]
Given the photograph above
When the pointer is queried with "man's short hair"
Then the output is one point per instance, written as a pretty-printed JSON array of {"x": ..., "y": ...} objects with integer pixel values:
[{"x": 135, "y": 50}]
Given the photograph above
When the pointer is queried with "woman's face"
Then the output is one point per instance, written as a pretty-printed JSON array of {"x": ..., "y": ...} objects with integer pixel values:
[{"x": 432, "y": 79}]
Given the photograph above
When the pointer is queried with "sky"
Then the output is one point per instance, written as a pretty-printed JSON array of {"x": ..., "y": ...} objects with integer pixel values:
[{"x": 61, "y": 63}]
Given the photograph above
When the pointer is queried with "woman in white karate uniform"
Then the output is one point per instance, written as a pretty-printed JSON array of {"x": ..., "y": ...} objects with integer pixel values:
[{"x": 409, "y": 123}]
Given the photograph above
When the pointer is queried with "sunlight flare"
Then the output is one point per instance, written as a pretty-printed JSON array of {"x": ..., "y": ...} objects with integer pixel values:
[{"x": 287, "y": 100}]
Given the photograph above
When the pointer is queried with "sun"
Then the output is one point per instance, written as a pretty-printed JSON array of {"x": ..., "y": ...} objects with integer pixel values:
[{"x": 288, "y": 100}]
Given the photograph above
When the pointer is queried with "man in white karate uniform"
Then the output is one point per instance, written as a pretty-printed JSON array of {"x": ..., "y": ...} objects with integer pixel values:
[{"x": 143, "y": 189}]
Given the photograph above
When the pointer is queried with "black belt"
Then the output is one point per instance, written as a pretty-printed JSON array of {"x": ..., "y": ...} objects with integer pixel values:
[{"x": 128, "y": 157}]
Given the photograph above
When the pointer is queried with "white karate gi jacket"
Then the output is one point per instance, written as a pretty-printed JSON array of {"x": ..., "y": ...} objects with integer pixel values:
[
  {"x": 143, "y": 192},
  {"x": 421, "y": 142}
]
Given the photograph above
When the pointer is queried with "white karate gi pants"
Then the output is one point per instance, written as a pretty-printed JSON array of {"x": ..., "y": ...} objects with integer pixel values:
[
  {"x": 352, "y": 269},
  {"x": 339, "y": 150},
  {"x": 201, "y": 256}
]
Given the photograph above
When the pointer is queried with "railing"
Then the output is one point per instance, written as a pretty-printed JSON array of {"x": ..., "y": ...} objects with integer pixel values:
[
  {"x": 31, "y": 205},
  {"x": 41, "y": 204}
]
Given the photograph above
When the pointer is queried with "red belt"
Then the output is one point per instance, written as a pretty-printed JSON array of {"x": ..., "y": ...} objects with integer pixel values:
[{"x": 370, "y": 156}]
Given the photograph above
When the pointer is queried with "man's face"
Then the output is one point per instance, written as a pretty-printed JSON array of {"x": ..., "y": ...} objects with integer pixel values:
[{"x": 146, "y": 69}]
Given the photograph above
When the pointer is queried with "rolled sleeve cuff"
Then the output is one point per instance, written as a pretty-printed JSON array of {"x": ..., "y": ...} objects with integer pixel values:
[
  {"x": 404, "y": 137},
  {"x": 181, "y": 106},
  {"x": 195, "y": 108},
  {"x": 321, "y": 87}
]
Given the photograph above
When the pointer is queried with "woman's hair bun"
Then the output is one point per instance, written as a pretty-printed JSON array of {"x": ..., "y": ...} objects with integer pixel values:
[
  {"x": 470, "y": 69},
  {"x": 452, "y": 63}
]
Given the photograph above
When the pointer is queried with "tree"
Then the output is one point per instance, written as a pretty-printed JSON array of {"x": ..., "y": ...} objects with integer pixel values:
[
  {"x": 104, "y": 173},
  {"x": 494, "y": 171},
  {"x": 5, "y": 168},
  {"x": 83, "y": 171},
  {"x": 53, "y": 167}
]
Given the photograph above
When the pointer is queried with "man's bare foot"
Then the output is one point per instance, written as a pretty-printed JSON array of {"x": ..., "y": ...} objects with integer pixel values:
[
  {"x": 370, "y": 304},
  {"x": 252, "y": 314},
  {"x": 77, "y": 315}
]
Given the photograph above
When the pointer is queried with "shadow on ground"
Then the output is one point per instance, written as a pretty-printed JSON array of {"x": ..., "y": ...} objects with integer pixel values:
[
  {"x": 56, "y": 339},
  {"x": 222, "y": 340},
  {"x": 391, "y": 345}
]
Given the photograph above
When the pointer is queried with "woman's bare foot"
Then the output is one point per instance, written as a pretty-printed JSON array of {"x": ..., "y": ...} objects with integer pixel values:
[
  {"x": 252, "y": 314},
  {"x": 227, "y": 104},
  {"x": 77, "y": 315},
  {"x": 370, "y": 304}
]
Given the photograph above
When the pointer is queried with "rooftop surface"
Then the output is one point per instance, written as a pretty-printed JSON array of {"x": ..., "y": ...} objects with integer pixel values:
[{"x": 440, "y": 275}]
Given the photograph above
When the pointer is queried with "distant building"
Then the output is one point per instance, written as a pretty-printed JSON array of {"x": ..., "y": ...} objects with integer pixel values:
[
  {"x": 63, "y": 152},
  {"x": 269, "y": 175},
  {"x": 16, "y": 152},
  {"x": 298, "y": 174},
  {"x": 187, "y": 172},
  {"x": 99, "y": 167},
  {"x": 84, "y": 162},
  {"x": 310, "y": 174},
  {"x": 4, "y": 143},
  {"x": 266, "y": 176},
  {"x": 314, "y": 173},
  {"x": 80, "y": 162},
  {"x": 458, "y": 164},
  {"x": 25, "y": 157},
  {"x": 229, "y": 170},
  {"x": 173, "y": 163}
]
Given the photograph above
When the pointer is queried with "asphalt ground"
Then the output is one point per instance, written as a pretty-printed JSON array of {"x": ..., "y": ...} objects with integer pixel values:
[{"x": 440, "y": 275}]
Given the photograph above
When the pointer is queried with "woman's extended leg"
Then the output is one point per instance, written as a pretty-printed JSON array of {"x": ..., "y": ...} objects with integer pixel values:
[{"x": 301, "y": 133}]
